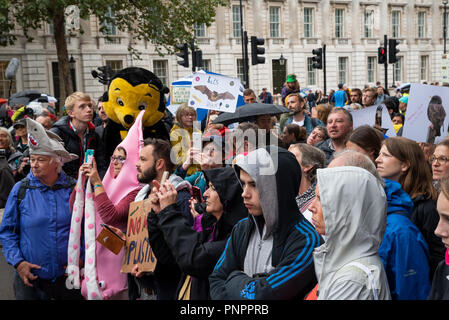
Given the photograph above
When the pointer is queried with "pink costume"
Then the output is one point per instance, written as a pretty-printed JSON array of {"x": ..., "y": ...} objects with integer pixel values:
[{"x": 102, "y": 277}]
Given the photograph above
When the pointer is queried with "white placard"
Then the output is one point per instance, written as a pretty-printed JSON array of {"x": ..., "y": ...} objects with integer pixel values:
[
  {"x": 426, "y": 118},
  {"x": 214, "y": 92},
  {"x": 368, "y": 116}
]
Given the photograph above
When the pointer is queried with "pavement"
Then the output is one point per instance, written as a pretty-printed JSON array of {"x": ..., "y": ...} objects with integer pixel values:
[{"x": 6, "y": 279}]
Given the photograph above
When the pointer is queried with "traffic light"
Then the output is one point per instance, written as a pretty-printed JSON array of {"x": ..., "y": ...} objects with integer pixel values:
[
  {"x": 318, "y": 58},
  {"x": 184, "y": 54},
  {"x": 255, "y": 50},
  {"x": 381, "y": 55},
  {"x": 198, "y": 58},
  {"x": 392, "y": 50}
]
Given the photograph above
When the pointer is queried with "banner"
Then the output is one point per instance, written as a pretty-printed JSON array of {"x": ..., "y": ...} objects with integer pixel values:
[
  {"x": 214, "y": 92},
  {"x": 368, "y": 116},
  {"x": 425, "y": 118},
  {"x": 137, "y": 249}
]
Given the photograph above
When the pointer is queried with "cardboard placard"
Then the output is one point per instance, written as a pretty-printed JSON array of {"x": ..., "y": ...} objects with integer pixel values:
[
  {"x": 368, "y": 116},
  {"x": 137, "y": 248}
]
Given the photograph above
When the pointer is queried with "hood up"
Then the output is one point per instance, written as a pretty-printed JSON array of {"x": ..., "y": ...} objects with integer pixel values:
[
  {"x": 277, "y": 175},
  {"x": 398, "y": 199},
  {"x": 354, "y": 209}
]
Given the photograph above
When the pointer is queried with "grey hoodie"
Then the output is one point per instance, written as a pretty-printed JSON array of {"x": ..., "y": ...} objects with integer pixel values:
[{"x": 354, "y": 209}]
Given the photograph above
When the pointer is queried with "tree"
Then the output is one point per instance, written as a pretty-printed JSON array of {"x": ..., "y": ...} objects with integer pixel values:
[{"x": 163, "y": 23}]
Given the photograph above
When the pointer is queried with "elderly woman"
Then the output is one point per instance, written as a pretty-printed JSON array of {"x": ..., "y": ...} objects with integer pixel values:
[
  {"x": 310, "y": 159},
  {"x": 13, "y": 156}
]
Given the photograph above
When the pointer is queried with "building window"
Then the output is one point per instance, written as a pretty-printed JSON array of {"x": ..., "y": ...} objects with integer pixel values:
[
  {"x": 110, "y": 29},
  {"x": 114, "y": 65},
  {"x": 236, "y": 23},
  {"x": 339, "y": 23},
  {"x": 5, "y": 83},
  {"x": 275, "y": 15},
  {"x": 308, "y": 22},
  {"x": 395, "y": 23},
  {"x": 369, "y": 23},
  {"x": 342, "y": 69},
  {"x": 424, "y": 68},
  {"x": 200, "y": 30},
  {"x": 240, "y": 71},
  {"x": 311, "y": 73},
  {"x": 372, "y": 61},
  {"x": 398, "y": 70},
  {"x": 207, "y": 64},
  {"x": 160, "y": 69},
  {"x": 421, "y": 24}
]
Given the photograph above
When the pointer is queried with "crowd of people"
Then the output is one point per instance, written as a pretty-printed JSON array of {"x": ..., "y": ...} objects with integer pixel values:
[{"x": 312, "y": 208}]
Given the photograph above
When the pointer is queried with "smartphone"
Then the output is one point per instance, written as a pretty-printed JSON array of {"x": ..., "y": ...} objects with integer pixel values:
[
  {"x": 197, "y": 140},
  {"x": 89, "y": 156},
  {"x": 196, "y": 193}
]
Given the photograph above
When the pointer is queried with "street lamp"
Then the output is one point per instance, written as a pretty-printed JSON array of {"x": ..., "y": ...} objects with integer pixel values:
[
  {"x": 444, "y": 25},
  {"x": 282, "y": 60},
  {"x": 72, "y": 63}
]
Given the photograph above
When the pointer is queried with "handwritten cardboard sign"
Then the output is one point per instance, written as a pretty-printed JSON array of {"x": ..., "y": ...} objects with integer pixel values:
[{"x": 137, "y": 248}]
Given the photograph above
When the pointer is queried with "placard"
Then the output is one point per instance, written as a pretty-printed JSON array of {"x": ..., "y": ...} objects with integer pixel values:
[
  {"x": 368, "y": 116},
  {"x": 137, "y": 248},
  {"x": 179, "y": 94},
  {"x": 426, "y": 117},
  {"x": 214, "y": 92}
]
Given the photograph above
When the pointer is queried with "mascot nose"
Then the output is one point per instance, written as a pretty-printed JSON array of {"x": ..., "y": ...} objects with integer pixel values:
[{"x": 129, "y": 119}]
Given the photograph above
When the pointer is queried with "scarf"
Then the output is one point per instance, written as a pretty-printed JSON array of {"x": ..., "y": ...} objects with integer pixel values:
[{"x": 303, "y": 201}]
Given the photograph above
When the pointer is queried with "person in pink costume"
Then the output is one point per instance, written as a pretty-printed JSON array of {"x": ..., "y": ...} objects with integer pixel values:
[{"x": 112, "y": 197}]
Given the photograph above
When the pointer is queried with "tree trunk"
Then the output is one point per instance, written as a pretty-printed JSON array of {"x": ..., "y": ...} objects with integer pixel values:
[{"x": 65, "y": 76}]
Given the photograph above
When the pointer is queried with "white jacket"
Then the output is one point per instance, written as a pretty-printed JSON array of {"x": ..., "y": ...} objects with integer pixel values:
[{"x": 347, "y": 265}]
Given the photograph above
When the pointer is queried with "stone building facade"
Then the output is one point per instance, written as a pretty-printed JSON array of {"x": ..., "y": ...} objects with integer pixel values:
[{"x": 351, "y": 30}]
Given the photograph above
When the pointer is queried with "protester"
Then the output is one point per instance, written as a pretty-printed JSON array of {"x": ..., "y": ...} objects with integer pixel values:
[
  {"x": 339, "y": 126},
  {"x": 366, "y": 140},
  {"x": 310, "y": 159},
  {"x": 339, "y": 98},
  {"x": 293, "y": 134},
  {"x": 181, "y": 136},
  {"x": 291, "y": 85},
  {"x": 440, "y": 288},
  {"x": 249, "y": 96},
  {"x": 265, "y": 96},
  {"x": 45, "y": 120},
  {"x": 36, "y": 222},
  {"x": 403, "y": 105},
  {"x": 7, "y": 180},
  {"x": 154, "y": 160},
  {"x": 197, "y": 252},
  {"x": 347, "y": 265},
  {"x": 13, "y": 156},
  {"x": 78, "y": 133},
  {"x": 401, "y": 234},
  {"x": 297, "y": 114},
  {"x": 321, "y": 112},
  {"x": 281, "y": 238},
  {"x": 369, "y": 97},
  {"x": 416, "y": 180},
  {"x": 440, "y": 162},
  {"x": 317, "y": 135}
]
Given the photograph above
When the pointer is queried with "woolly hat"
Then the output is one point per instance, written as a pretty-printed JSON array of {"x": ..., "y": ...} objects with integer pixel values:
[
  {"x": 404, "y": 99},
  {"x": 45, "y": 142}
]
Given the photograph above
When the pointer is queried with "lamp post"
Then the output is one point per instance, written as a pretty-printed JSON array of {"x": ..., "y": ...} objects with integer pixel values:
[
  {"x": 444, "y": 25},
  {"x": 282, "y": 60},
  {"x": 72, "y": 71}
]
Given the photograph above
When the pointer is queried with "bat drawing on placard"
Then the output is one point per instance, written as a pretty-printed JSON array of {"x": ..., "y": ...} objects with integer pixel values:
[
  {"x": 436, "y": 115},
  {"x": 214, "y": 95}
]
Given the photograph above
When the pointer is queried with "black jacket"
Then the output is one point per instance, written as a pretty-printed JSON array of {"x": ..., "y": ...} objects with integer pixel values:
[
  {"x": 73, "y": 144},
  {"x": 196, "y": 253},
  {"x": 293, "y": 237},
  {"x": 425, "y": 217},
  {"x": 440, "y": 283}
]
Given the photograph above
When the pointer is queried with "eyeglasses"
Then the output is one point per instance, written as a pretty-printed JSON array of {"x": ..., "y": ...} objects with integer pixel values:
[
  {"x": 440, "y": 160},
  {"x": 119, "y": 158}
]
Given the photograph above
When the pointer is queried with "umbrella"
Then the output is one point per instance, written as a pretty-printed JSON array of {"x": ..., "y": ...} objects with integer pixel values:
[
  {"x": 249, "y": 112},
  {"x": 23, "y": 97}
]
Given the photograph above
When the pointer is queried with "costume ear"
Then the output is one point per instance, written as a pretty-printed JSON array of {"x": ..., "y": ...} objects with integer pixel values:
[{"x": 105, "y": 96}]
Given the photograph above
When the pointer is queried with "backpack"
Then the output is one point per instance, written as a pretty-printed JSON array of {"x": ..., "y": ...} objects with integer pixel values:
[{"x": 25, "y": 184}]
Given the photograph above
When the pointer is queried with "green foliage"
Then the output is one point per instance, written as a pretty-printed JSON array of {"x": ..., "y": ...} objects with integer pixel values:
[{"x": 163, "y": 23}]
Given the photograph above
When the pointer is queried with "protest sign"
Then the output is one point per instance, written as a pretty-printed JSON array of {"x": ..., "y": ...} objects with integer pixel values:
[
  {"x": 425, "y": 118},
  {"x": 214, "y": 92},
  {"x": 368, "y": 116},
  {"x": 137, "y": 248}
]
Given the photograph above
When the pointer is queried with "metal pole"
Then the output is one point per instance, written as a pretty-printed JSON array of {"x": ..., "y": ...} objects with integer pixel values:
[
  {"x": 444, "y": 26},
  {"x": 192, "y": 48},
  {"x": 386, "y": 62},
  {"x": 244, "y": 49},
  {"x": 324, "y": 68}
]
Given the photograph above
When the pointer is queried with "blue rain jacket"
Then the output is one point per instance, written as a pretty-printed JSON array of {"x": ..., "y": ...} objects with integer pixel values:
[
  {"x": 403, "y": 250},
  {"x": 44, "y": 227}
]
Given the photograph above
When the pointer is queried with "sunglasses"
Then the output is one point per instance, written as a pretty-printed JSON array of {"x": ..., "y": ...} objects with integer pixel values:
[{"x": 119, "y": 158}]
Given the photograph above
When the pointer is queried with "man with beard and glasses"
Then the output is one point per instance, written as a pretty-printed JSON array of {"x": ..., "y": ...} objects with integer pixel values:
[{"x": 154, "y": 160}]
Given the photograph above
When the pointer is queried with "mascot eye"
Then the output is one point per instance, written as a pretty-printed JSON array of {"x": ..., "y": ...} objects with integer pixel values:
[
  {"x": 120, "y": 102},
  {"x": 142, "y": 106}
]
